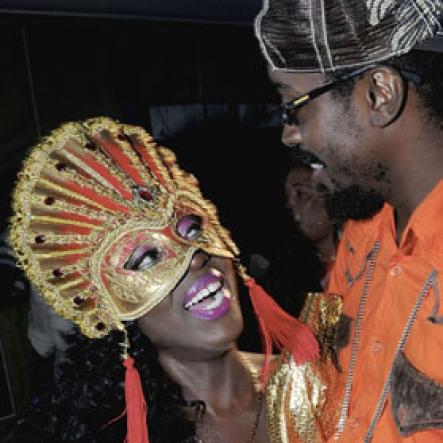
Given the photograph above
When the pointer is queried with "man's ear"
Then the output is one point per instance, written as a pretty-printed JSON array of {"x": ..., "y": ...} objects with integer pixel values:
[{"x": 386, "y": 95}]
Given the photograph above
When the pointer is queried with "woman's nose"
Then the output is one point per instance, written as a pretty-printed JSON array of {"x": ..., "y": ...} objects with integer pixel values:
[
  {"x": 199, "y": 260},
  {"x": 291, "y": 135},
  {"x": 292, "y": 202}
]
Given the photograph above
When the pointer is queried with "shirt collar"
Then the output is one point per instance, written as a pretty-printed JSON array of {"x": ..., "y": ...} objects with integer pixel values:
[{"x": 424, "y": 225}]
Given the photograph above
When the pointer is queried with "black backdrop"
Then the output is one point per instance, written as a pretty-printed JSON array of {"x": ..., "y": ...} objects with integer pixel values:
[
  {"x": 200, "y": 88},
  {"x": 221, "y": 11}
]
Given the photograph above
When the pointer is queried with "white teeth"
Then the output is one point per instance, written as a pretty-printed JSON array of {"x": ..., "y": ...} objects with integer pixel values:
[
  {"x": 218, "y": 298},
  {"x": 213, "y": 287},
  {"x": 203, "y": 293}
]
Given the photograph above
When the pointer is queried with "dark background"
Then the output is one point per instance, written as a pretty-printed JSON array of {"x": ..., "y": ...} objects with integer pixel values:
[
  {"x": 200, "y": 88},
  {"x": 207, "y": 11},
  {"x": 191, "y": 73}
]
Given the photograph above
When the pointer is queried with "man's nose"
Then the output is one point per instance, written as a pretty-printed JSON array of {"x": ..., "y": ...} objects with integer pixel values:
[{"x": 291, "y": 135}]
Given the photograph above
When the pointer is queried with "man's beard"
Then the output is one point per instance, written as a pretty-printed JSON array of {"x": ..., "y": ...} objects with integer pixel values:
[{"x": 352, "y": 202}]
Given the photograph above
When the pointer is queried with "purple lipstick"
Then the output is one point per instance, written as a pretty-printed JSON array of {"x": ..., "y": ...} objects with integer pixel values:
[{"x": 207, "y": 299}]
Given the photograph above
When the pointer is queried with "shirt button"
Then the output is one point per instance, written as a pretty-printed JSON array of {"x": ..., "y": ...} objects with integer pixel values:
[
  {"x": 396, "y": 270},
  {"x": 376, "y": 346},
  {"x": 354, "y": 423}
]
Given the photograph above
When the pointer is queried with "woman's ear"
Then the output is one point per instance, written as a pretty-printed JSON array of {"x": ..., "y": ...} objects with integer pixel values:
[{"x": 386, "y": 95}]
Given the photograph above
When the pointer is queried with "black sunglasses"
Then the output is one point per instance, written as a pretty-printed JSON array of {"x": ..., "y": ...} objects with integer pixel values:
[{"x": 288, "y": 109}]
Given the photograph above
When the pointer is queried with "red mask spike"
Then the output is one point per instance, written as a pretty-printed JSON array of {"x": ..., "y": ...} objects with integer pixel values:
[
  {"x": 149, "y": 161},
  {"x": 124, "y": 162}
]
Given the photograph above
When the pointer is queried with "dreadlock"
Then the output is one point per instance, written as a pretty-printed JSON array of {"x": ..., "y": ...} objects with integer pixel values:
[{"x": 88, "y": 394}]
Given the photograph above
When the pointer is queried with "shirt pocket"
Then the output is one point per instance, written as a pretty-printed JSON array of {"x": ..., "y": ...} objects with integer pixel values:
[
  {"x": 356, "y": 259},
  {"x": 417, "y": 400}
]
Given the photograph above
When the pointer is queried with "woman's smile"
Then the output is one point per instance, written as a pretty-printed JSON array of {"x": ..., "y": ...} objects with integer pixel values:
[{"x": 208, "y": 298}]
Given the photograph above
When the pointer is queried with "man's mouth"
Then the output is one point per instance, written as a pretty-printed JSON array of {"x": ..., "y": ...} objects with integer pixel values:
[{"x": 207, "y": 298}]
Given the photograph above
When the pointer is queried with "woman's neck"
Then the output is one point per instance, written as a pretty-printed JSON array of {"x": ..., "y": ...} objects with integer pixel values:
[
  {"x": 326, "y": 248},
  {"x": 222, "y": 381}
]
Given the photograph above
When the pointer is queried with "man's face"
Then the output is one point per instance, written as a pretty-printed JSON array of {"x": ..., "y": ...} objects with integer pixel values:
[{"x": 335, "y": 130}]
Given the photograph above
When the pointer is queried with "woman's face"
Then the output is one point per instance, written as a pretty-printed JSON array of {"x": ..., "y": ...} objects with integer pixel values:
[
  {"x": 202, "y": 313},
  {"x": 305, "y": 196}
]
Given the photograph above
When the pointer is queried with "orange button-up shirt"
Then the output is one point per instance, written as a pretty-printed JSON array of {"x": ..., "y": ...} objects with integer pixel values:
[{"x": 399, "y": 343}]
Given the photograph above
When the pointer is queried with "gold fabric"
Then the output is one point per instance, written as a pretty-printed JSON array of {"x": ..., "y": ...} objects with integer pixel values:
[
  {"x": 303, "y": 400},
  {"x": 86, "y": 197}
]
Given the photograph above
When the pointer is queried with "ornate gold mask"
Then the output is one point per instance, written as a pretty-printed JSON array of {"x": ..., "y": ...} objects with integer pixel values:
[{"x": 106, "y": 223}]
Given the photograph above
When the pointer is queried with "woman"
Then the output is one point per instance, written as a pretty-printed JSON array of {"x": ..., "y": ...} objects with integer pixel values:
[
  {"x": 119, "y": 239},
  {"x": 306, "y": 189},
  {"x": 191, "y": 390}
]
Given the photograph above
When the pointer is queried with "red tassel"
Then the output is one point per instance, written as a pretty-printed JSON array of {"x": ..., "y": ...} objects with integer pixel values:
[
  {"x": 136, "y": 409},
  {"x": 280, "y": 329}
]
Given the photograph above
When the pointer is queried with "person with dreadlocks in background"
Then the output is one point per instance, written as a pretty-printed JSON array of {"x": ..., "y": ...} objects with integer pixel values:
[
  {"x": 118, "y": 239},
  {"x": 306, "y": 189},
  {"x": 303, "y": 263},
  {"x": 361, "y": 83}
]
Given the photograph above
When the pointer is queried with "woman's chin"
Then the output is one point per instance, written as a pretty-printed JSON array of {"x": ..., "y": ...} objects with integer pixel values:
[{"x": 224, "y": 335}]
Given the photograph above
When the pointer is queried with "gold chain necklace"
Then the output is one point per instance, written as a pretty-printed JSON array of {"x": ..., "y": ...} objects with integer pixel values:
[{"x": 259, "y": 397}]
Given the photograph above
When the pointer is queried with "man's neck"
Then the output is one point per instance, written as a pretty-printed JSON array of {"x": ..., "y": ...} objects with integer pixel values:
[{"x": 414, "y": 177}]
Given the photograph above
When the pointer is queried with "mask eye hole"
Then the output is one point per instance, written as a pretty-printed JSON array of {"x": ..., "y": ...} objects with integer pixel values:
[
  {"x": 190, "y": 227},
  {"x": 143, "y": 258}
]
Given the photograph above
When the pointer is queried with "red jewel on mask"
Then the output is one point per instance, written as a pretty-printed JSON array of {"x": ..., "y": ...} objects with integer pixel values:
[
  {"x": 100, "y": 326},
  {"x": 79, "y": 301},
  {"x": 40, "y": 239},
  {"x": 57, "y": 273},
  {"x": 145, "y": 195},
  {"x": 90, "y": 146},
  {"x": 60, "y": 166}
]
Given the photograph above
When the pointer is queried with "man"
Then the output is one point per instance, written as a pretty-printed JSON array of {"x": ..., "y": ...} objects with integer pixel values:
[{"x": 361, "y": 86}]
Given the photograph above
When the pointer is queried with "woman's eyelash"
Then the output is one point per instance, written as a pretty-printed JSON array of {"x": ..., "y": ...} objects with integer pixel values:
[
  {"x": 136, "y": 260},
  {"x": 142, "y": 258}
]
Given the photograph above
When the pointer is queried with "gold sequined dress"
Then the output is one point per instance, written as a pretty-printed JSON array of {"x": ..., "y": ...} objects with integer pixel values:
[{"x": 303, "y": 401}]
